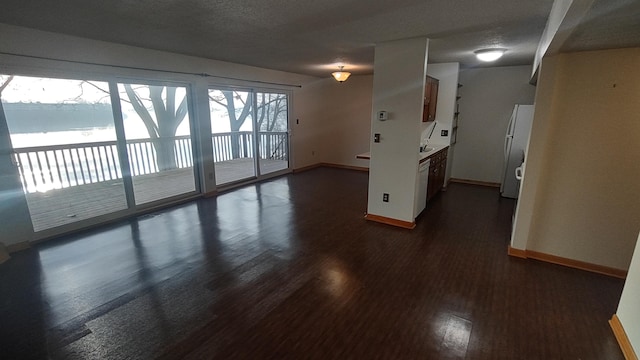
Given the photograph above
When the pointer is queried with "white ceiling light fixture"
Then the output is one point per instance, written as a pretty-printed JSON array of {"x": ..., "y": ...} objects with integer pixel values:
[
  {"x": 489, "y": 54},
  {"x": 340, "y": 75}
]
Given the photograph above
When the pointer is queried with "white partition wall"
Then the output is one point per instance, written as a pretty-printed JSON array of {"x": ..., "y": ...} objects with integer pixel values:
[
  {"x": 398, "y": 88},
  {"x": 628, "y": 310}
]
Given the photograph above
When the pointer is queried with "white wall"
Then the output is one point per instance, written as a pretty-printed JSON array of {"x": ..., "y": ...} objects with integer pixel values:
[
  {"x": 69, "y": 49},
  {"x": 628, "y": 309},
  {"x": 398, "y": 88},
  {"x": 487, "y": 99},
  {"x": 580, "y": 191}
]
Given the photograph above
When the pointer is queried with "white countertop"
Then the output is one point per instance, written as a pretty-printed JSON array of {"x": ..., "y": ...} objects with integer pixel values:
[
  {"x": 436, "y": 148},
  {"x": 422, "y": 155}
]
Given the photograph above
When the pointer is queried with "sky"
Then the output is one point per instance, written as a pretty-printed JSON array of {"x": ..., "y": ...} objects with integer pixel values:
[
  {"x": 26, "y": 89},
  {"x": 55, "y": 91}
]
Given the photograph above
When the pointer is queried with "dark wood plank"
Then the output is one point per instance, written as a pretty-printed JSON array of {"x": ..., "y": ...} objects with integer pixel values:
[{"x": 289, "y": 268}]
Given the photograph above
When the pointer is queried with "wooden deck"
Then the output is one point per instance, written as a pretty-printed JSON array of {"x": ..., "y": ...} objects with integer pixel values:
[
  {"x": 234, "y": 170},
  {"x": 64, "y": 206}
]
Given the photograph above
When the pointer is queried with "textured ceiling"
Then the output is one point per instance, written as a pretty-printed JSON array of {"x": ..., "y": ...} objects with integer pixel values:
[
  {"x": 608, "y": 24},
  {"x": 300, "y": 36}
]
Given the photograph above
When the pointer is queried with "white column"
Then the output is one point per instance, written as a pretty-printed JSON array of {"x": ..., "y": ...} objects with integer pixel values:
[{"x": 398, "y": 88}]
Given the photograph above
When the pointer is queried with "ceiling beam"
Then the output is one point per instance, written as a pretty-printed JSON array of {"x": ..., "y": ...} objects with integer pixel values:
[{"x": 564, "y": 18}]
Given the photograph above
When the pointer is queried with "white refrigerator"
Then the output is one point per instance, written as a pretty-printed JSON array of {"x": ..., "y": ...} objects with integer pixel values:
[{"x": 515, "y": 144}]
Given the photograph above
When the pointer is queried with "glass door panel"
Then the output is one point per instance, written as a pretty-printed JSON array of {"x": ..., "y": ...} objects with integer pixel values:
[
  {"x": 158, "y": 136},
  {"x": 64, "y": 142},
  {"x": 273, "y": 131},
  {"x": 232, "y": 135}
]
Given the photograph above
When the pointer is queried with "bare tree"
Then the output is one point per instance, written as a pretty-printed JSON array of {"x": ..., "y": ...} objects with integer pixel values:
[
  {"x": 269, "y": 108},
  {"x": 4, "y": 82},
  {"x": 237, "y": 116},
  {"x": 169, "y": 113}
]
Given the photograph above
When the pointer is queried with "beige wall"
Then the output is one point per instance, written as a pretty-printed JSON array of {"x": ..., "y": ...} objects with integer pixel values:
[
  {"x": 334, "y": 121},
  {"x": 585, "y": 157},
  {"x": 488, "y": 96},
  {"x": 349, "y": 122},
  {"x": 306, "y": 124},
  {"x": 536, "y": 149}
]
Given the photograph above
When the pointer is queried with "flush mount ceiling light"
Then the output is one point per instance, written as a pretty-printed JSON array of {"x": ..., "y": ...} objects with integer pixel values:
[
  {"x": 340, "y": 75},
  {"x": 489, "y": 54}
]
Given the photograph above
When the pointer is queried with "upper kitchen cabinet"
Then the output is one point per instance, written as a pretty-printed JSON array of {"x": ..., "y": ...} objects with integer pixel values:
[{"x": 430, "y": 99}]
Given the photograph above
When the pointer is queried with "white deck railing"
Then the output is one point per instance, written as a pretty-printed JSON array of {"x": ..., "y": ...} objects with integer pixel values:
[{"x": 44, "y": 168}]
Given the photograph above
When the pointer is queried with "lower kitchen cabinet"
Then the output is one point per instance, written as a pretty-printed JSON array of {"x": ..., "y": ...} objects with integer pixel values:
[{"x": 437, "y": 172}]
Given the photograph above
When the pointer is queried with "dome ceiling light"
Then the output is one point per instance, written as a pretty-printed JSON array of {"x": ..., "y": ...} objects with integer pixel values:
[{"x": 489, "y": 54}]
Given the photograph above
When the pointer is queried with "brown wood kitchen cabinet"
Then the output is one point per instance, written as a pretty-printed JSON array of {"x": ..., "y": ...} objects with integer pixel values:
[
  {"x": 430, "y": 99},
  {"x": 437, "y": 171}
]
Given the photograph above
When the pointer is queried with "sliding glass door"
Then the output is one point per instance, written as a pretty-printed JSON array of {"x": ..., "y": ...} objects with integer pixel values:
[
  {"x": 87, "y": 148},
  {"x": 250, "y": 135},
  {"x": 232, "y": 135},
  {"x": 158, "y": 138},
  {"x": 272, "y": 111},
  {"x": 65, "y": 145}
]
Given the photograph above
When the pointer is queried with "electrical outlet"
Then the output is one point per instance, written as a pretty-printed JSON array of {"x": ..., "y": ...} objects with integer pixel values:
[
  {"x": 385, "y": 197},
  {"x": 376, "y": 138},
  {"x": 444, "y": 132},
  {"x": 297, "y": 121}
]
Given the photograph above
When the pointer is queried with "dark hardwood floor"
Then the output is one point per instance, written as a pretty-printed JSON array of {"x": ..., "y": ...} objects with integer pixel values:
[{"x": 289, "y": 269}]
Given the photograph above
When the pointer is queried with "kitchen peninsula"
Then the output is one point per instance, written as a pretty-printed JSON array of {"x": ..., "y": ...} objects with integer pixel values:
[{"x": 438, "y": 156}]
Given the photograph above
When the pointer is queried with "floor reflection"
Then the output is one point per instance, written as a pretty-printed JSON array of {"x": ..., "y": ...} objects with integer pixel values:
[
  {"x": 454, "y": 333},
  {"x": 289, "y": 269}
]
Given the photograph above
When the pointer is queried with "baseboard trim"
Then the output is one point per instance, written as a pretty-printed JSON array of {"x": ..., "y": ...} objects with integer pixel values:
[
  {"x": 390, "y": 221},
  {"x": 576, "y": 264},
  {"x": 517, "y": 252},
  {"x": 622, "y": 338},
  {"x": 24, "y": 245},
  {"x": 307, "y": 168},
  {"x": 474, "y": 182},
  {"x": 348, "y": 167},
  {"x": 338, "y": 166}
]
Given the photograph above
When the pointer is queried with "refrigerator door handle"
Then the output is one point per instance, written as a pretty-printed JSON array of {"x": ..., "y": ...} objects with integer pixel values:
[
  {"x": 519, "y": 173},
  {"x": 507, "y": 144}
]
